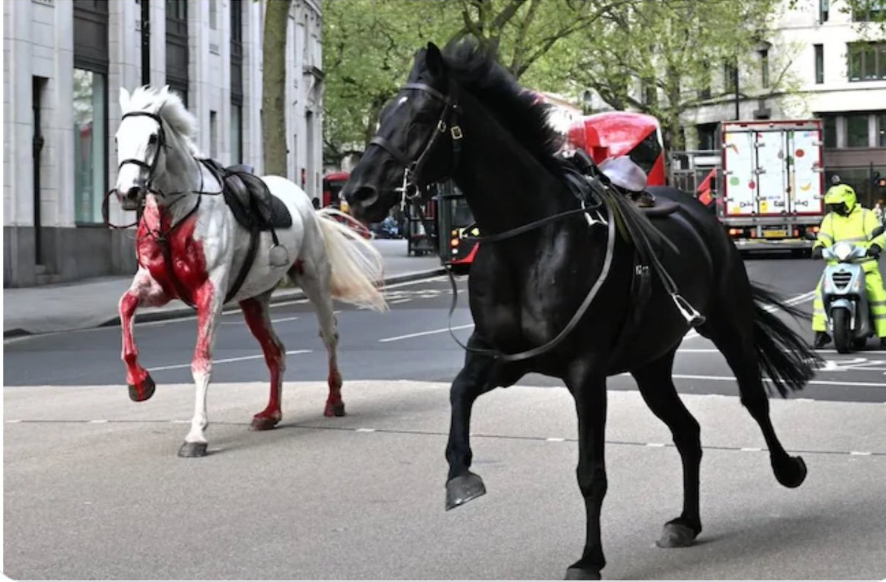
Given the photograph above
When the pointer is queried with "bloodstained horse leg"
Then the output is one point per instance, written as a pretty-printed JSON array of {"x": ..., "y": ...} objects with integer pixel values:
[
  {"x": 472, "y": 381},
  {"x": 587, "y": 383},
  {"x": 316, "y": 285},
  {"x": 255, "y": 310},
  {"x": 657, "y": 387},
  {"x": 144, "y": 291},
  {"x": 209, "y": 299}
]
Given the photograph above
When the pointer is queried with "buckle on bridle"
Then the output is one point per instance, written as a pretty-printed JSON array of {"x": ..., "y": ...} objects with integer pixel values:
[
  {"x": 456, "y": 132},
  {"x": 441, "y": 126}
]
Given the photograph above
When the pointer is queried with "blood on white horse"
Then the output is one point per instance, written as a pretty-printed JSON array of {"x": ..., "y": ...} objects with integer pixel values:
[{"x": 190, "y": 247}]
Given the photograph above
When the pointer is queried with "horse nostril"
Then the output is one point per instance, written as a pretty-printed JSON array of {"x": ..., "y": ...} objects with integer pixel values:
[
  {"x": 133, "y": 193},
  {"x": 366, "y": 195}
]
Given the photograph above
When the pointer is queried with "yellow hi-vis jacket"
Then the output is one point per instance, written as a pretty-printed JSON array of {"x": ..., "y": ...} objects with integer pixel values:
[{"x": 855, "y": 228}]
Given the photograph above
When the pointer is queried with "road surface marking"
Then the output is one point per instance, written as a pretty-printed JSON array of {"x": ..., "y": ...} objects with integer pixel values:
[
  {"x": 228, "y": 360},
  {"x": 424, "y": 333},
  {"x": 860, "y": 453},
  {"x": 365, "y": 430},
  {"x": 821, "y": 382},
  {"x": 752, "y": 449},
  {"x": 399, "y": 301},
  {"x": 555, "y": 439},
  {"x": 796, "y": 300},
  {"x": 656, "y": 445}
]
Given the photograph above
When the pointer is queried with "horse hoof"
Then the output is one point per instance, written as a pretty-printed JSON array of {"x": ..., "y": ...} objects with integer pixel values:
[
  {"x": 792, "y": 473},
  {"x": 337, "y": 409},
  {"x": 676, "y": 535},
  {"x": 461, "y": 489},
  {"x": 142, "y": 391},
  {"x": 190, "y": 450},
  {"x": 574, "y": 573},
  {"x": 263, "y": 422}
]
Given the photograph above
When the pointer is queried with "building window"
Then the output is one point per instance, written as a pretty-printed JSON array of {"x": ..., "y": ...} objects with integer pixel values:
[
  {"x": 857, "y": 131},
  {"x": 236, "y": 134},
  {"x": 869, "y": 11},
  {"x": 764, "y": 68},
  {"x": 730, "y": 74},
  {"x": 867, "y": 61},
  {"x": 213, "y": 135},
  {"x": 90, "y": 92},
  {"x": 881, "y": 129},
  {"x": 648, "y": 91},
  {"x": 707, "y": 136},
  {"x": 830, "y": 131},
  {"x": 213, "y": 15},
  {"x": 90, "y": 137},
  {"x": 819, "y": 64},
  {"x": 177, "y": 47},
  {"x": 823, "y": 8},
  {"x": 705, "y": 91}
]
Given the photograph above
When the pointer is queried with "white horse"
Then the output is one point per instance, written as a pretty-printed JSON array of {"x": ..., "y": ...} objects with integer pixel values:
[{"x": 189, "y": 246}]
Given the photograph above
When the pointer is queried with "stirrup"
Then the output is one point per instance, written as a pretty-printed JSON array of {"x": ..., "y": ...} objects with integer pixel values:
[
  {"x": 689, "y": 313},
  {"x": 278, "y": 257}
]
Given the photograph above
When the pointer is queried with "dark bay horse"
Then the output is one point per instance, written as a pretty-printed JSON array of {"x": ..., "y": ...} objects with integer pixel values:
[{"x": 462, "y": 115}]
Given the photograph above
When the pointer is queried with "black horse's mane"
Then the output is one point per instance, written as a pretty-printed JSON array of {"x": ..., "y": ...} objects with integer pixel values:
[{"x": 520, "y": 111}]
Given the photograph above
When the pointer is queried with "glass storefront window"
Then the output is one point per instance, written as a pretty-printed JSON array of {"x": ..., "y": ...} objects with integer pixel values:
[
  {"x": 90, "y": 138},
  {"x": 856, "y": 131}
]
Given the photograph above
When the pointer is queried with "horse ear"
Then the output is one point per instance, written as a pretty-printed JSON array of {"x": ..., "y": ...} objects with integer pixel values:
[
  {"x": 124, "y": 99},
  {"x": 434, "y": 61}
]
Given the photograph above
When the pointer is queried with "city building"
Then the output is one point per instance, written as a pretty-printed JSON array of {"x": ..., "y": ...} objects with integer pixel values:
[
  {"x": 820, "y": 62},
  {"x": 64, "y": 63},
  {"x": 834, "y": 71}
]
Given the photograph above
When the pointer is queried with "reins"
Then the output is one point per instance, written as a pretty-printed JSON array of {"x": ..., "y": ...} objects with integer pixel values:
[{"x": 411, "y": 178}]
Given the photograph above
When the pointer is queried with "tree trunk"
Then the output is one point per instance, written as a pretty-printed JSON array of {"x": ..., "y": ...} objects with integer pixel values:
[{"x": 274, "y": 87}]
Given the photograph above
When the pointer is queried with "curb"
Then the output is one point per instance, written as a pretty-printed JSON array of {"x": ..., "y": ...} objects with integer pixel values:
[{"x": 282, "y": 296}]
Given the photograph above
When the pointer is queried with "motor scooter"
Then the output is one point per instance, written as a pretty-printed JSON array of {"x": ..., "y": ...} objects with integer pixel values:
[{"x": 844, "y": 294}]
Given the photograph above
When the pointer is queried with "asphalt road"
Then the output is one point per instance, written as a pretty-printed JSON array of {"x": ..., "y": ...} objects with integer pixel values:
[
  {"x": 410, "y": 343},
  {"x": 93, "y": 488}
]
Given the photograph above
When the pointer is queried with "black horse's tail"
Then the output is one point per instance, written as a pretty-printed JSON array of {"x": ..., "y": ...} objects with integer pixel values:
[{"x": 788, "y": 360}]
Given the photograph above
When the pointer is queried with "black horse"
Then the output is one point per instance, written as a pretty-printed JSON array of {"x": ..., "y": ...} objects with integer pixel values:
[{"x": 462, "y": 115}]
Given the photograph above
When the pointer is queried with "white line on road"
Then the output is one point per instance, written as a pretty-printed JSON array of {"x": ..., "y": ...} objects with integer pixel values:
[
  {"x": 797, "y": 300},
  {"x": 228, "y": 360},
  {"x": 423, "y": 333},
  {"x": 822, "y": 382}
]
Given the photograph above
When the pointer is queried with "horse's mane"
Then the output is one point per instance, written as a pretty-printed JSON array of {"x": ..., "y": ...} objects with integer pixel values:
[
  {"x": 168, "y": 105},
  {"x": 520, "y": 111}
]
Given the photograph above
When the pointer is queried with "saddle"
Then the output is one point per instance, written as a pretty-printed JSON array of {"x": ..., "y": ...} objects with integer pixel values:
[
  {"x": 256, "y": 210},
  {"x": 621, "y": 185},
  {"x": 248, "y": 197}
]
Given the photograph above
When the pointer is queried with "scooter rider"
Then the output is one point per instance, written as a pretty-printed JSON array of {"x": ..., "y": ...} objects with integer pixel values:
[{"x": 848, "y": 221}]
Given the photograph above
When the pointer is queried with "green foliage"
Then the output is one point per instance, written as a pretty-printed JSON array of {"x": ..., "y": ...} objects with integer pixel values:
[
  {"x": 673, "y": 49},
  {"x": 368, "y": 49},
  {"x": 369, "y": 45}
]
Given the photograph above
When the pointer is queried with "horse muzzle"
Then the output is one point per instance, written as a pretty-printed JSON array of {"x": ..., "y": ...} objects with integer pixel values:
[{"x": 132, "y": 198}]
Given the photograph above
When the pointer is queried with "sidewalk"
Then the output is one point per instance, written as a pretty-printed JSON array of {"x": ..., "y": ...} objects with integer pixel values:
[{"x": 93, "y": 302}]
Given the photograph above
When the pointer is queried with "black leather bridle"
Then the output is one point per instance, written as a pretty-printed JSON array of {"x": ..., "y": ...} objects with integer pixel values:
[
  {"x": 162, "y": 145},
  {"x": 412, "y": 175}
]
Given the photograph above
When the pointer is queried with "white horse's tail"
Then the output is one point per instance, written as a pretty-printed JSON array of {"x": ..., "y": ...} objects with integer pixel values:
[{"x": 357, "y": 267}]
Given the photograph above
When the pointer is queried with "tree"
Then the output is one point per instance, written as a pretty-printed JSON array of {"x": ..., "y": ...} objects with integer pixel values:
[
  {"x": 674, "y": 49},
  {"x": 369, "y": 45},
  {"x": 274, "y": 86}
]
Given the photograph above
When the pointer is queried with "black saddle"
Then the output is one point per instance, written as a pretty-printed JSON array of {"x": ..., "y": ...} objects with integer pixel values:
[{"x": 248, "y": 197}]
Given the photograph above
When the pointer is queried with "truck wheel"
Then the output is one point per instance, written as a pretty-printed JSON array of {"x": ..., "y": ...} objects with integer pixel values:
[{"x": 842, "y": 335}]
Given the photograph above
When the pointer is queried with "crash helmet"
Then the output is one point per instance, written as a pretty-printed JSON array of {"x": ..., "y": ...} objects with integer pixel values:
[{"x": 840, "y": 199}]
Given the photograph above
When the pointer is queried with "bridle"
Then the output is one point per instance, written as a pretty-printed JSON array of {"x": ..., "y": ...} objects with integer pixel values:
[
  {"x": 162, "y": 145},
  {"x": 412, "y": 173}
]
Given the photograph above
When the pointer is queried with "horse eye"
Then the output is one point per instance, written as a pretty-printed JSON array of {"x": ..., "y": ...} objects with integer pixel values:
[{"x": 153, "y": 139}]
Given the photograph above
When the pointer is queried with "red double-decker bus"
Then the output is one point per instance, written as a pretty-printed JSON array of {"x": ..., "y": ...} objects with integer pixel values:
[{"x": 603, "y": 136}]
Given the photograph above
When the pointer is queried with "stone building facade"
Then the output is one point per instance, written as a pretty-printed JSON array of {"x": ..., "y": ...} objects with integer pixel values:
[{"x": 64, "y": 62}]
